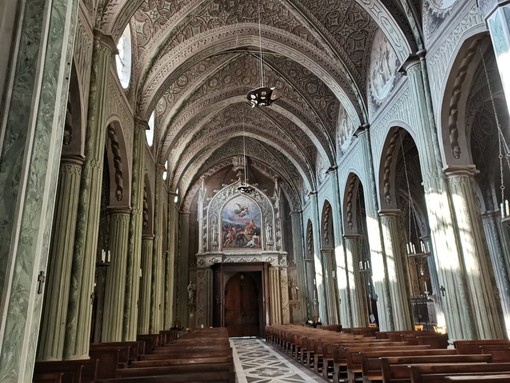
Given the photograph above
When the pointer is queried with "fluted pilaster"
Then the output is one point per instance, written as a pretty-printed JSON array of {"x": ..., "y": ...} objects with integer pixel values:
[
  {"x": 396, "y": 261},
  {"x": 52, "y": 333},
  {"x": 31, "y": 127},
  {"x": 144, "y": 309},
  {"x": 204, "y": 298},
  {"x": 82, "y": 274},
  {"x": 297, "y": 238},
  {"x": 374, "y": 235},
  {"x": 485, "y": 307},
  {"x": 357, "y": 283},
  {"x": 275, "y": 295},
  {"x": 135, "y": 234},
  {"x": 115, "y": 293},
  {"x": 157, "y": 260}
]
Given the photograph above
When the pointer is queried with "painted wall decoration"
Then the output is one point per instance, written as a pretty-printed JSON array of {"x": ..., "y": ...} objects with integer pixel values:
[
  {"x": 383, "y": 66},
  {"x": 241, "y": 221}
]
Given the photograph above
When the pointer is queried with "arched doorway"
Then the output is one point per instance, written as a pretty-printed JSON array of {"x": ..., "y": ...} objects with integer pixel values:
[{"x": 242, "y": 304}]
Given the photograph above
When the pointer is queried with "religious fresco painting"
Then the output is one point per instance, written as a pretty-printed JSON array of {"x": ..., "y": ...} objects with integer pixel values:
[{"x": 241, "y": 221}]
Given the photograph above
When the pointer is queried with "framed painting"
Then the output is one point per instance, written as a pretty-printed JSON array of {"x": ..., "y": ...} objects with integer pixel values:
[{"x": 240, "y": 220}]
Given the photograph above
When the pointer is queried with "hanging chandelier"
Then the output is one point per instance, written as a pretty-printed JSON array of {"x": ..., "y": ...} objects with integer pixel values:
[
  {"x": 262, "y": 96},
  {"x": 418, "y": 249},
  {"x": 243, "y": 186}
]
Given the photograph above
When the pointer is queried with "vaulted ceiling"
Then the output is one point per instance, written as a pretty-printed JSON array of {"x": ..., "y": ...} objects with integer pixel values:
[{"x": 194, "y": 61}]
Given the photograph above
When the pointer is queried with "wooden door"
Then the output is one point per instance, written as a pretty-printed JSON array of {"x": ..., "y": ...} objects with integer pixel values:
[{"x": 242, "y": 300}]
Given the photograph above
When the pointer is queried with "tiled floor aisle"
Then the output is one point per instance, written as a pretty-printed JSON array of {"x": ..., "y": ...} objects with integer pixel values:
[{"x": 256, "y": 362}]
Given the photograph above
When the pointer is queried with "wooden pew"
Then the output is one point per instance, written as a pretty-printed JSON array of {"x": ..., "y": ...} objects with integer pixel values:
[
  {"x": 70, "y": 371},
  {"x": 354, "y": 357},
  {"x": 473, "y": 346},
  {"x": 48, "y": 377},
  {"x": 500, "y": 378},
  {"x": 500, "y": 353},
  {"x": 111, "y": 357},
  {"x": 371, "y": 360},
  {"x": 179, "y": 362},
  {"x": 395, "y": 369},
  {"x": 437, "y": 373},
  {"x": 194, "y": 377}
]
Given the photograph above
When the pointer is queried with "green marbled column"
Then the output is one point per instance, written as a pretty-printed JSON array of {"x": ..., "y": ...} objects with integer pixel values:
[
  {"x": 144, "y": 308},
  {"x": 157, "y": 262},
  {"x": 82, "y": 275},
  {"x": 375, "y": 238},
  {"x": 115, "y": 293},
  {"x": 460, "y": 324},
  {"x": 182, "y": 275},
  {"x": 135, "y": 235},
  {"x": 357, "y": 287},
  {"x": 485, "y": 307},
  {"x": 32, "y": 129},
  {"x": 173, "y": 213},
  {"x": 297, "y": 238},
  {"x": 396, "y": 262},
  {"x": 52, "y": 334}
]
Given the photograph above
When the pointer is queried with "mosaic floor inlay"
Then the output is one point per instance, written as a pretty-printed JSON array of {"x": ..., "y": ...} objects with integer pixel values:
[{"x": 256, "y": 362}]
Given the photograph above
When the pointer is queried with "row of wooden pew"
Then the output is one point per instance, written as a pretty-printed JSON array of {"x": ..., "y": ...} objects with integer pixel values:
[
  {"x": 201, "y": 355},
  {"x": 370, "y": 356}
]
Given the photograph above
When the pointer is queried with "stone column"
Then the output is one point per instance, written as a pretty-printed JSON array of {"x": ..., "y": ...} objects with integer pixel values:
[
  {"x": 396, "y": 261},
  {"x": 494, "y": 232},
  {"x": 436, "y": 295},
  {"x": 357, "y": 284},
  {"x": 485, "y": 306},
  {"x": 297, "y": 240},
  {"x": 318, "y": 262},
  {"x": 497, "y": 16},
  {"x": 32, "y": 126},
  {"x": 115, "y": 293},
  {"x": 52, "y": 333},
  {"x": 284, "y": 294},
  {"x": 182, "y": 274},
  {"x": 135, "y": 234},
  {"x": 170, "y": 280},
  {"x": 157, "y": 260},
  {"x": 460, "y": 324},
  {"x": 328, "y": 262},
  {"x": 311, "y": 289},
  {"x": 144, "y": 308},
  {"x": 82, "y": 274},
  {"x": 275, "y": 295},
  {"x": 375, "y": 239}
]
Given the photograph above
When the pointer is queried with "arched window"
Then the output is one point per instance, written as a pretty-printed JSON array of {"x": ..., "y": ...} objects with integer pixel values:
[
  {"x": 149, "y": 134},
  {"x": 123, "y": 58}
]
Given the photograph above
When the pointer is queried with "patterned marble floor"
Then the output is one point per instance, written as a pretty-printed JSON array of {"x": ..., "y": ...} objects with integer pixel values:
[{"x": 256, "y": 362}]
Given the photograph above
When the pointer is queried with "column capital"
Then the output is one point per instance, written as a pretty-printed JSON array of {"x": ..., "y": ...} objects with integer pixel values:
[
  {"x": 412, "y": 60},
  {"x": 73, "y": 159},
  {"x": 141, "y": 123},
  {"x": 118, "y": 210},
  {"x": 352, "y": 236},
  {"x": 147, "y": 237},
  {"x": 105, "y": 40},
  {"x": 460, "y": 170},
  {"x": 390, "y": 213},
  {"x": 362, "y": 129}
]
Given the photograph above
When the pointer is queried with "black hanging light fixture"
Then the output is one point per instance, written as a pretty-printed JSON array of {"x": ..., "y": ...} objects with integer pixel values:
[
  {"x": 243, "y": 186},
  {"x": 262, "y": 96},
  {"x": 503, "y": 151}
]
